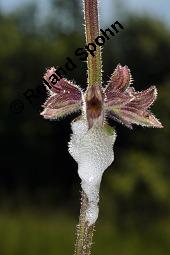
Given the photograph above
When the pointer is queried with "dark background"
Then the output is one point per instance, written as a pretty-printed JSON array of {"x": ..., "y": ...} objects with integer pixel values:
[{"x": 39, "y": 185}]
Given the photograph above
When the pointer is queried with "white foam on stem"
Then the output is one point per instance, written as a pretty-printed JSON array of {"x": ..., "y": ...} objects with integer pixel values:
[{"x": 92, "y": 149}]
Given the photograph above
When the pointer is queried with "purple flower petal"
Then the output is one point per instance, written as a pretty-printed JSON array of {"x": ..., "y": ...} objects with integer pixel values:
[
  {"x": 120, "y": 80},
  {"x": 53, "y": 114},
  {"x": 131, "y": 115},
  {"x": 118, "y": 98},
  {"x": 126, "y": 105},
  {"x": 60, "y": 85},
  {"x": 143, "y": 99},
  {"x": 94, "y": 102},
  {"x": 118, "y": 118},
  {"x": 65, "y": 97}
]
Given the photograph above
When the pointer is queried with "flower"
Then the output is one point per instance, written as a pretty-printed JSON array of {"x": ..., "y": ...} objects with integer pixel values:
[{"x": 117, "y": 100}]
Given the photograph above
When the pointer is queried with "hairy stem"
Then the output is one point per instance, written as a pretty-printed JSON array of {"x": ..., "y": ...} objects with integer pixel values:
[
  {"x": 84, "y": 231},
  {"x": 94, "y": 65},
  {"x": 92, "y": 31}
]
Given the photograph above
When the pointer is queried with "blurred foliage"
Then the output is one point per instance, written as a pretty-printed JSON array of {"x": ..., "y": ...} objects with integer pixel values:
[
  {"x": 40, "y": 234},
  {"x": 36, "y": 170}
]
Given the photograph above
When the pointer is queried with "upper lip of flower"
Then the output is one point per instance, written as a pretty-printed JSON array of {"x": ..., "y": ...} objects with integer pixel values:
[{"x": 117, "y": 100}]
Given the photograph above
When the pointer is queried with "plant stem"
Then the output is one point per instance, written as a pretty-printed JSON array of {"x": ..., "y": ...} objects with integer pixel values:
[
  {"x": 92, "y": 31},
  {"x": 84, "y": 231},
  {"x": 94, "y": 65}
]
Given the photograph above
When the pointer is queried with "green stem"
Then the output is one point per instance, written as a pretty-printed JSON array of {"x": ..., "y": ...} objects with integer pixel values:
[
  {"x": 94, "y": 65},
  {"x": 84, "y": 231},
  {"x": 92, "y": 31}
]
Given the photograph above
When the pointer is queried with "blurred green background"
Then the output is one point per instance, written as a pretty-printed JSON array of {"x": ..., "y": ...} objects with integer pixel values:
[{"x": 39, "y": 185}]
